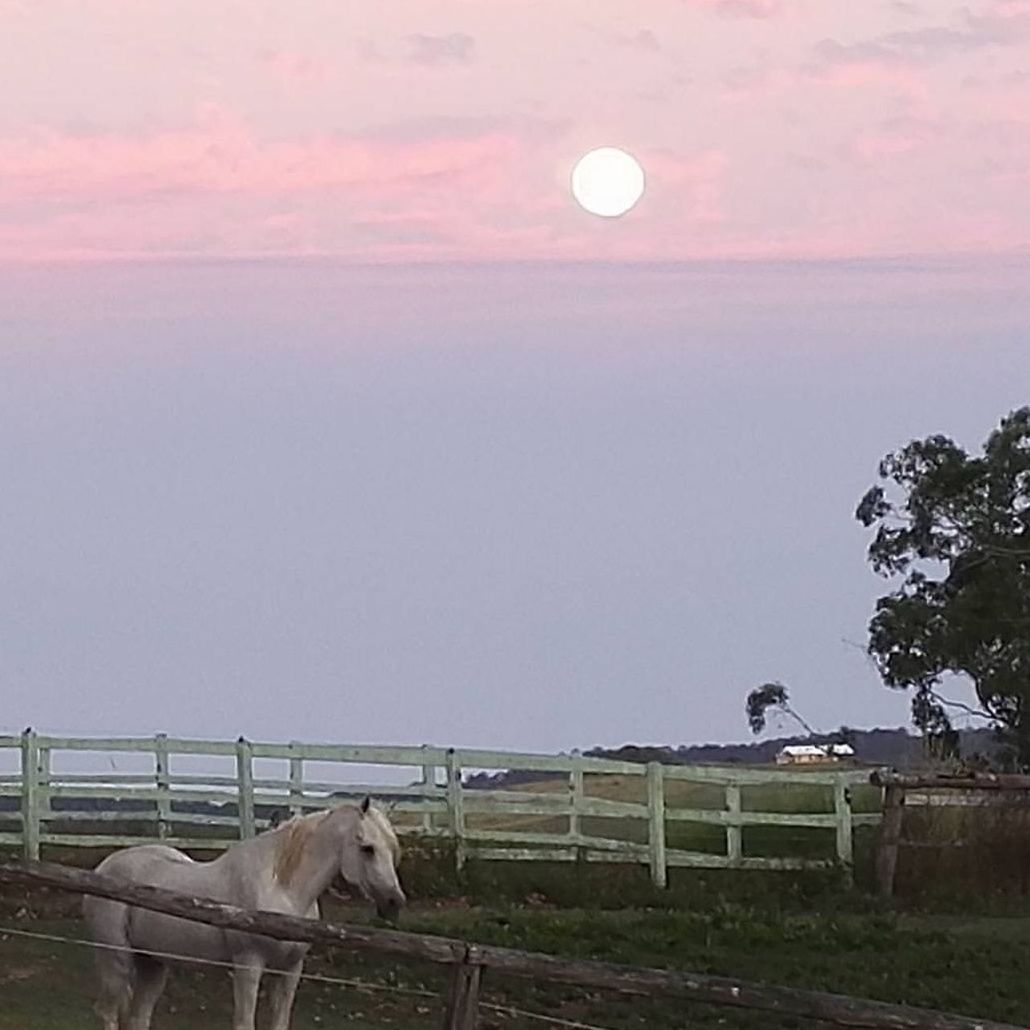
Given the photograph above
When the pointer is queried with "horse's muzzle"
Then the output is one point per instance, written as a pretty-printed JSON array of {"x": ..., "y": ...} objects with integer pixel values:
[{"x": 389, "y": 908}]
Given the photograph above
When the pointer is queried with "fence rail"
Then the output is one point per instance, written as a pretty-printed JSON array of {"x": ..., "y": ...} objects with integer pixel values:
[
  {"x": 469, "y": 961},
  {"x": 559, "y": 818}
]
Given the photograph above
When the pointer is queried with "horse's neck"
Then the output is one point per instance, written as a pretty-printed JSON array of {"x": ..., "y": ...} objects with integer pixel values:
[{"x": 319, "y": 862}]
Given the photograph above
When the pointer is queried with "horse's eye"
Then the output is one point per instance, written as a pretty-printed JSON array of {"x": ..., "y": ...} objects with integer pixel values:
[{"x": 368, "y": 850}]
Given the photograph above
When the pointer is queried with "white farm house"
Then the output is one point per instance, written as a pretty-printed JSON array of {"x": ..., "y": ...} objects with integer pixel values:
[{"x": 809, "y": 754}]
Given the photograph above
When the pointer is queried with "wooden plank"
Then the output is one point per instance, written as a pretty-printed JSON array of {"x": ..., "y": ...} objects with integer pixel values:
[
  {"x": 556, "y": 808},
  {"x": 723, "y": 818},
  {"x": 428, "y": 784},
  {"x": 890, "y": 834},
  {"x": 641, "y": 851},
  {"x": 128, "y": 793},
  {"x": 959, "y": 798},
  {"x": 576, "y": 796},
  {"x": 296, "y": 781},
  {"x": 92, "y": 840},
  {"x": 383, "y": 791},
  {"x": 708, "y": 860},
  {"x": 143, "y": 816},
  {"x": 734, "y": 833},
  {"x": 162, "y": 780},
  {"x": 245, "y": 799},
  {"x": 352, "y": 754},
  {"x": 30, "y": 794},
  {"x": 113, "y": 779},
  {"x": 510, "y": 854},
  {"x": 979, "y": 781},
  {"x": 42, "y": 784},
  {"x": 845, "y": 833},
  {"x": 608, "y": 809},
  {"x": 455, "y": 807},
  {"x": 129, "y": 744},
  {"x": 497, "y": 802},
  {"x": 533, "y": 762},
  {"x": 656, "y": 824},
  {"x": 734, "y": 774},
  {"x": 695, "y": 987},
  {"x": 462, "y": 1009}
]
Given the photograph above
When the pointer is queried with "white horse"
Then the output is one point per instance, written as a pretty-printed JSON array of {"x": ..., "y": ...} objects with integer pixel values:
[{"x": 284, "y": 870}]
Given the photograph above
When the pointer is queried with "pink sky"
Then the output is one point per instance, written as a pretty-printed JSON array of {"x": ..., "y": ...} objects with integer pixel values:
[{"x": 427, "y": 130}]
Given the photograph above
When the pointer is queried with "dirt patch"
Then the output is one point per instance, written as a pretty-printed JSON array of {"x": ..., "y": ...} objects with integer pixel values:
[{"x": 18, "y": 973}]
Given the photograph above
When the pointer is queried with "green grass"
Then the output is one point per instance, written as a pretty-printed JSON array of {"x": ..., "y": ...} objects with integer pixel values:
[
  {"x": 49, "y": 986},
  {"x": 976, "y": 967}
]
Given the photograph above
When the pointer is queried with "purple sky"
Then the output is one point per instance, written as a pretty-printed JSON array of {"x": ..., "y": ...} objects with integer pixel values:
[
  {"x": 326, "y": 413},
  {"x": 513, "y": 507}
]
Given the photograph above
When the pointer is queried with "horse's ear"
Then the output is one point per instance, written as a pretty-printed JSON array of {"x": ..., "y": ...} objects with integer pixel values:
[{"x": 365, "y": 804}]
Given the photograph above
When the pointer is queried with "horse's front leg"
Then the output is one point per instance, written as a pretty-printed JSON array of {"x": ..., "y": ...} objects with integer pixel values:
[
  {"x": 284, "y": 987},
  {"x": 246, "y": 979}
]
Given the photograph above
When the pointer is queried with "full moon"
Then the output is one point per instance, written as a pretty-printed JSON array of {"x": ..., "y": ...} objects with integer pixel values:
[{"x": 607, "y": 182}]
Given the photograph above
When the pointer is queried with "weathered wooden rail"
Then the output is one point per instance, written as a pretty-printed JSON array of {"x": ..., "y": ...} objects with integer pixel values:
[
  {"x": 471, "y": 961},
  {"x": 568, "y": 823}
]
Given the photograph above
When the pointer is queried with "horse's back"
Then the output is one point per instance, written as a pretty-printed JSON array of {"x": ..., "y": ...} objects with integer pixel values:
[
  {"x": 157, "y": 865},
  {"x": 137, "y": 860}
]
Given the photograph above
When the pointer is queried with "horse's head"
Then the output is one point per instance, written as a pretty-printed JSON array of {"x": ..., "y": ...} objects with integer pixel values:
[{"x": 368, "y": 862}]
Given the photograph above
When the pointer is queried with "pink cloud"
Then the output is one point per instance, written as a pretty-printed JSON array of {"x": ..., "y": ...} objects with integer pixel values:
[
  {"x": 745, "y": 8},
  {"x": 453, "y": 48},
  {"x": 214, "y": 186},
  {"x": 291, "y": 67},
  {"x": 870, "y": 146},
  {"x": 693, "y": 185},
  {"x": 418, "y": 48},
  {"x": 855, "y": 73},
  {"x": 221, "y": 155}
]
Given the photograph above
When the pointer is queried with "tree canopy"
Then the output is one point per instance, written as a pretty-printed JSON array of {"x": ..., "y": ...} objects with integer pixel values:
[{"x": 954, "y": 530}]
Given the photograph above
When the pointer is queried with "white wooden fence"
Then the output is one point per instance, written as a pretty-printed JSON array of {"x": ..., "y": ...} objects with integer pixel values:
[{"x": 564, "y": 817}]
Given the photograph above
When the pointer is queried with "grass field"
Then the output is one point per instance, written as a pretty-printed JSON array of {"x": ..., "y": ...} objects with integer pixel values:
[{"x": 974, "y": 966}]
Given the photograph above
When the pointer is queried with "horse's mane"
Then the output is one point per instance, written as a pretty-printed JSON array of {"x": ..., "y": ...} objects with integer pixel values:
[
  {"x": 291, "y": 839},
  {"x": 387, "y": 831}
]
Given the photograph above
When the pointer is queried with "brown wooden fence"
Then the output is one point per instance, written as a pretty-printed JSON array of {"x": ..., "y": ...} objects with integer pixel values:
[
  {"x": 470, "y": 961},
  {"x": 901, "y": 792}
]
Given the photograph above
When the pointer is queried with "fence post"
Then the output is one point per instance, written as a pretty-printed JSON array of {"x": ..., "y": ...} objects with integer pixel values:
[
  {"x": 462, "y": 1009},
  {"x": 575, "y": 797},
  {"x": 30, "y": 795},
  {"x": 890, "y": 835},
  {"x": 296, "y": 781},
  {"x": 162, "y": 780},
  {"x": 43, "y": 810},
  {"x": 456, "y": 807},
  {"x": 845, "y": 829},
  {"x": 428, "y": 780},
  {"x": 734, "y": 831},
  {"x": 656, "y": 823},
  {"x": 245, "y": 787}
]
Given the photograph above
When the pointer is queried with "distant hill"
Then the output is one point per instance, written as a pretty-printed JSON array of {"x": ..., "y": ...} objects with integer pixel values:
[
  {"x": 896, "y": 748},
  {"x": 891, "y": 747}
]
